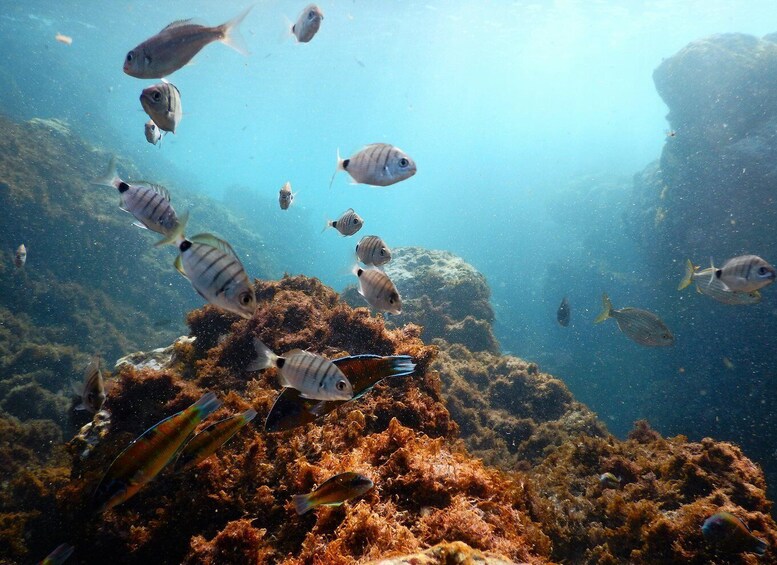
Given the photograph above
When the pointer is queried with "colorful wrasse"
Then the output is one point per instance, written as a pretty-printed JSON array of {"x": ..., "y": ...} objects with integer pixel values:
[
  {"x": 731, "y": 534},
  {"x": 363, "y": 371},
  {"x": 333, "y": 492},
  {"x": 61, "y": 554},
  {"x": 145, "y": 457},
  {"x": 205, "y": 443}
]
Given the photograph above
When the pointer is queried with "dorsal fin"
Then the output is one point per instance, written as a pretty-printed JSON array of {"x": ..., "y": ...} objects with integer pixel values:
[
  {"x": 213, "y": 241},
  {"x": 180, "y": 23},
  {"x": 158, "y": 188}
]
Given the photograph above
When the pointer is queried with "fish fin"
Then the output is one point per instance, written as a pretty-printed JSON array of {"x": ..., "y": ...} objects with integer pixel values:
[
  {"x": 302, "y": 503},
  {"x": 318, "y": 408},
  {"x": 207, "y": 404},
  {"x": 178, "y": 264},
  {"x": 265, "y": 357},
  {"x": 179, "y": 23},
  {"x": 357, "y": 270},
  {"x": 688, "y": 276},
  {"x": 176, "y": 236},
  {"x": 139, "y": 225},
  {"x": 759, "y": 545},
  {"x": 248, "y": 415},
  {"x": 231, "y": 35},
  {"x": 81, "y": 406},
  {"x": 713, "y": 271},
  {"x": 213, "y": 241},
  {"x": 110, "y": 178},
  {"x": 606, "y": 309},
  {"x": 60, "y": 554},
  {"x": 339, "y": 167},
  {"x": 328, "y": 225}
]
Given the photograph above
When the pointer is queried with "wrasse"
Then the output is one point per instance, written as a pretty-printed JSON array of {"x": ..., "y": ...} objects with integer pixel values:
[
  {"x": 333, "y": 492},
  {"x": 731, "y": 534},
  {"x": 205, "y": 443},
  {"x": 145, "y": 457}
]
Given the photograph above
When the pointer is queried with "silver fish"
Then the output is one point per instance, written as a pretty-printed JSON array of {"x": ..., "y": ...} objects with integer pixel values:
[
  {"x": 153, "y": 133},
  {"x": 92, "y": 390},
  {"x": 286, "y": 196},
  {"x": 216, "y": 273},
  {"x": 308, "y": 23},
  {"x": 711, "y": 286},
  {"x": 378, "y": 290},
  {"x": 313, "y": 376},
  {"x": 372, "y": 250},
  {"x": 149, "y": 203},
  {"x": 20, "y": 258},
  {"x": 162, "y": 103},
  {"x": 176, "y": 44},
  {"x": 347, "y": 224},
  {"x": 378, "y": 164},
  {"x": 641, "y": 326},
  {"x": 744, "y": 273}
]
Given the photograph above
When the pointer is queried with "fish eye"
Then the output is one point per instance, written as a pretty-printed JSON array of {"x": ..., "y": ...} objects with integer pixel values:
[
  {"x": 340, "y": 385},
  {"x": 382, "y": 252},
  {"x": 130, "y": 56},
  {"x": 157, "y": 96},
  {"x": 356, "y": 220},
  {"x": 391, "y": 300},
  {"x": 762, "y": 270},
  {"x": 245, "y": 298},
  {"x": 311, "y": 14},
  {"x": 403, "y": 162}
]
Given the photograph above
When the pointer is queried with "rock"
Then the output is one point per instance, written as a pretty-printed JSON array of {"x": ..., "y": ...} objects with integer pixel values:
[
  {"x": 445, "y": 554},
  {"x": 156, "y": 359}
]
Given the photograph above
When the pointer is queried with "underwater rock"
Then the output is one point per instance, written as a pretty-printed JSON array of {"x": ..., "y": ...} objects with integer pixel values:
[
  {"x": 156, "y": 359},
  {"x": 445, "y": 553}
]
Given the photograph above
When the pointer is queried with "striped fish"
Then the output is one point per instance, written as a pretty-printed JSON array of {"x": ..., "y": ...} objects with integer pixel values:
[
  {"x": 744, "y": 273},
  {"x": 153, "y": 133},
  {"x": 378, "y": 164},
  {"x": 216, "y": 273},
  {"x": 162, "y": 103},
  {"x": 333, "y": 492},
  {"x": 145, "y": 457},
  {"x": 308, "y": 23},
  {"x": 92, "y": 391},
  {"x": 347, "y": 224},
  {"x": 205, "y": 443},
  {"x": 378, "y": 290},
  {"x": 710, "y": 286},
  {"x": 20, "y": 258},
  {"x": 641, "y": 326},
  {"x": 372, "y": 250},
  {"x": 149, "y": 203},
  {"x": 286, "y": 196},
  {"x": 313, "y": 376}
]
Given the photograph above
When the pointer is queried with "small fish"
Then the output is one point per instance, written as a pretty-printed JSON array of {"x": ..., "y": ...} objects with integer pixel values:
[
  {"x": 60, "y": 554},
  {"x": 162, "y": 103},
  {"x": 92, "y": 390},
  {"x": 564, "y": 312},
  {"x": 347, "y": 224},
  {"x": 145, "y": 457},
  {"x": 308, "y": 23},
  {"x": 153, "y": 133},
  {"x": 313, "y": 376},
  {"x": 639, "y": 325},
  {"x": 730, "y": 533},
  {"x": 178, "y": 43},
  {"x": 378, "y": 290},
  {"x": 372, "y": 250},
  {"x": 671, "y": 133},
  {"x": 745, "y": 273},
  {"x": 378, "y": 164},
  {"x": 286, "y": 196},
  {"x": 20, "y": 258},
  {"x": 216, "y": 273},
  {"x": 64, "y": 39},
  {"x": 608, "y": 480},
  {"x": 149, "y": 203},
  {"x": 728, "y": 364},
  {"x": 710, "y": 286},
  {"x": 333, "y": 492},
  {"x": 205, "y": 443}
]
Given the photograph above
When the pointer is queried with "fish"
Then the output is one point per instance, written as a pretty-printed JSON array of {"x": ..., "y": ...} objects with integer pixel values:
[
  {"x": 710, "y": 286},
  {"x": 149, "y": 203},
  {"x": 67, "y": 40},
  {"x": 216, "y": 273},
  {"x": 641, "y": 326},
  {"x": 347, "y": 224},
  {"x": 290, "y": 410},
  {"x": 564, "y": 312},
  {"x": 377, "y": 289},
  {"x": 147, "y": 455},
  {"x": 286, "y": 196},
  {"x": 162, "y": 103},
  {"x": 333, "y": 492},
  {"x": 312, "y": 375},
  {"x": 730, "y": 532},
  {"x": 728, "y": 364},
  {"x": 377, "y": 164},
  {"x": 92, "y": 390},
  {"x": 608, "y": 480},
  {"x": 176, "y": 45},
  {"x": 60, "y": 554},
  {"x": 745, "y": 273},
  {"x": 372, "y": 250},
  {"x": 308, "y": 23},
  {"x": 20, "y": 257},
  {"x": 153, "y": 133},
  {"x": 205, "y": 443}
]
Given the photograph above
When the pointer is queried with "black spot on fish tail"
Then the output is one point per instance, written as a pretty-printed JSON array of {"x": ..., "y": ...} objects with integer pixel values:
[
  {"x": 718, "y": 272},
  {"x": 280, "y": 362},
  {"x": 346, "y": 163},
  {"x": 359, "y": 272},
  {"x": 123, "y": 187},
  {"x": 185, "y": 245}
]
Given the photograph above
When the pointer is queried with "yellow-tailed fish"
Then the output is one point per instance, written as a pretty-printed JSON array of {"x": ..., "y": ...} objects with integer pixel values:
[
  {"x": 333, "y": 492},
  {"x": 60, "y": 554},
  {"x": 709, "y": 285},
  {"x": 641, "y": 326},
  {"x": 145, "y": 457},
  {"x": 744, "y": 273},
  {"x": 205, "y": 443}
]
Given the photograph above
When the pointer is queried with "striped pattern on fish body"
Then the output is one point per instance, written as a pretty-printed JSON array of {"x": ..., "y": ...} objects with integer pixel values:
[
  {"x": 92, "y": 391},
  {"x": 162, "y": 103},
  {"x": 641, "y": 326},
  {"x": 378, "y": 290},
  {"x": 348, "y": 223},
  {"x": 145, "y": 457},
  {"x": 308, "y": 23},
  {"x": 333, "y": 492},
  {"x": 745, "y": 273},
  {"x": 286, "y": 196},
  {"x": 372, "y": 250},
  {"x": 378, "y": 164},
  {"x": 708, "y": 284},
  {"x": 150, "y": 204},
  {"x": 205, "y": 443}
]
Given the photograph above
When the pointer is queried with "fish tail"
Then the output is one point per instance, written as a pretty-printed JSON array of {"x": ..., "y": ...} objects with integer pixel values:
[
  {"x": 713, "y": 269},
  {"x": 302, "y": 503},
  {"x": 606, "y": 309},
  {"x": 206, "y": 405},
  {"x": 176, "y": 236},
  {"x": 264, "y": 357},
  {"x": 688, "y": 276},
  {"x": 759, "y": 546},
  {"x": 248, "y": 415},
  {"x": 230, "y": 32},
  {"x": 110, "y": 178},
  {"x": 339, "y": 167}
]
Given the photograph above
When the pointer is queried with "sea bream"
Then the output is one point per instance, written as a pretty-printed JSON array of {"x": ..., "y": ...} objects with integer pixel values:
[
  {"x": 308, "y": 23},
  {"x": 20, "y": 257},
  {"x": 711, "y": 286},
  {"x": 92, "y": 390},
  {"x": 286, "y": 196},
  {"x": 378, "y": 164},
  {"x": 744, "y": 273},
  {"x": 162, "y": 103},
  {"x": 372, "y": 250},
  {"x": 347, "y": 224},
  {"x": 153, "y": 133},
  {"x": 178, "y": 43},
  {"x": 641, "y": 326},
  {"x": 377, "y": 289}
]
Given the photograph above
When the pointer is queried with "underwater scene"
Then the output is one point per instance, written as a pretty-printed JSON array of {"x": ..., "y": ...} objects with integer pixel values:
[{"x": 388, "y": 282}]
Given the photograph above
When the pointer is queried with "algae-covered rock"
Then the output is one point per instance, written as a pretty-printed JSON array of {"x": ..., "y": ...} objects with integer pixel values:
[{"x": 445, "y": 553}]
